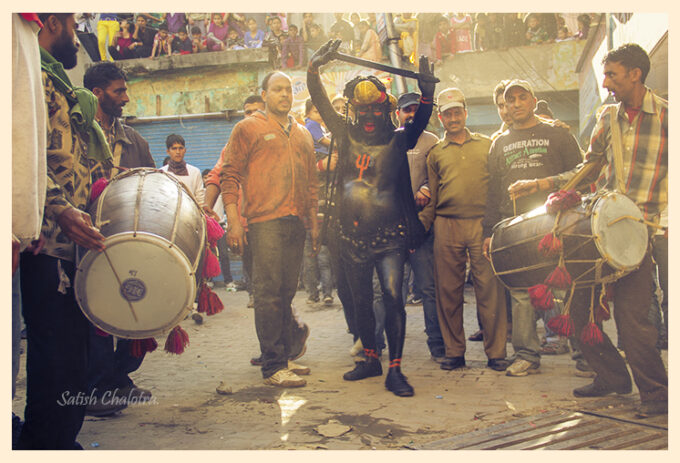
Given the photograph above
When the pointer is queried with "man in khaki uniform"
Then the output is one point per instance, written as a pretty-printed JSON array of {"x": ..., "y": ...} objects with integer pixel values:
[{"x": 458, "y": 178}]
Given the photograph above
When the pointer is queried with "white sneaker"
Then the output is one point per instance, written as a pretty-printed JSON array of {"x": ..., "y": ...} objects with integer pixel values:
[
  {"x": 285, "y": 378},
  {"x": 521, "y": 367},
  {"x": 298, "y": 369}
]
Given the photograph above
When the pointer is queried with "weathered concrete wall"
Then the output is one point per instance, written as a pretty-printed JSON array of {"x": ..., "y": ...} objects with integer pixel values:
[
  {"x": 218, "y": 81},
  {"x": 199, "y": 91},
  {"x": 548, "y": 67},
  {"x": 193, "y": 84}
]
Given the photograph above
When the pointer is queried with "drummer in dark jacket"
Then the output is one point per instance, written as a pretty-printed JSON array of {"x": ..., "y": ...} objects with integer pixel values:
[
  {"x": 108, "y": 370},
  {"x": 529, "y": 149}
]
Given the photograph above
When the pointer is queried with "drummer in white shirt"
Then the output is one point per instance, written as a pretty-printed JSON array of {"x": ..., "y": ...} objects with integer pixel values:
[{"x": 189, "y": 175}]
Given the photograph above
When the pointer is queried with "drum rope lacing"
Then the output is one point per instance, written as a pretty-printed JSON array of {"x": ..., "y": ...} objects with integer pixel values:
[
  {"x": 99, "y": 223},
  {"x": 557, "y": 230}
]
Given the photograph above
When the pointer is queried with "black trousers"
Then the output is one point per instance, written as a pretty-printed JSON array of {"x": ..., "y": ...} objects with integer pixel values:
[
  {"x": 56, "y": 357},
  {"x": 276, "y": 247},
  {"x": 109, "y": 369},
  {"x": 389, "y": 265}
]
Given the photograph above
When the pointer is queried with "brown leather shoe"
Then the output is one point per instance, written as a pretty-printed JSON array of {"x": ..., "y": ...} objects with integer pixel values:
[
  {"x": 651, "y": 408},
  {"x": 600, "y": 390},
  {"x": 478, "y": 336}
]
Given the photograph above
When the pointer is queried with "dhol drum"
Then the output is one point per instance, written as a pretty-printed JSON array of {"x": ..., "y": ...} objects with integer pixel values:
[
  {"x": 602, "y": 240},
  {"x": 144, "y": 283}
]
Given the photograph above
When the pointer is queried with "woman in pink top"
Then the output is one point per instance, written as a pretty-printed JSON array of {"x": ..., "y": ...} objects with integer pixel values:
[
  {"x": 124, "y": 43},
  {"x": 370, "y": 46},
  {"x": 217, "y": 33}
]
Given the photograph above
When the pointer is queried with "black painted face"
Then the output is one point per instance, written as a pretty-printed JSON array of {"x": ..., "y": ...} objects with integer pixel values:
[{"x": 371, "y": 122}]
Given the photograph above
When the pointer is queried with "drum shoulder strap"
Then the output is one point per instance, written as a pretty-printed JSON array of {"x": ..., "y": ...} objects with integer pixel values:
[
  {"x": 617, "y": 147},
  {"x": 117, "y": 153}
]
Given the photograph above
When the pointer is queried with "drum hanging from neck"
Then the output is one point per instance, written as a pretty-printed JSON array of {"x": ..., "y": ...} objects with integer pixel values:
[{"x": 144, "y": 283}]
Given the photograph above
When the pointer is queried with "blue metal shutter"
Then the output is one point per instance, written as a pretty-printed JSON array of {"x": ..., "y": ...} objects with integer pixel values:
[{"x": 204, "y": 138}]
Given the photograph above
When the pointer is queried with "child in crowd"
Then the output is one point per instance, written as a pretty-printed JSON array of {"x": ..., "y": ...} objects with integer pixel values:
[
  {"x": 316, "y": 39},
  {"x": 274, "y": 40},
  {"x": 234, "y": 42},
  {"x": 200, "y": 20},
  {"x": 583, "y": 22},
  {"x": 563, "y": 34},
  {"x": 161, "y": 42},
  {"x": 181, "y": 45},
  {"x": 461, "y": 29},
  {"x": 217, "y": 33},
  {"x": 443, "y": 44},
  {"x": 292, "y": 50},
  {"x": 197, "y": 41},
  {"x": 253, "y": 37},
  {"x": 535, "y": 32},
  {"x": 236, "y": 21}
]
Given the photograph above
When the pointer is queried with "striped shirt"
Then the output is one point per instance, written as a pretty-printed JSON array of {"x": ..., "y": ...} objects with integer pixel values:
[{"x": 645, "y": 154}]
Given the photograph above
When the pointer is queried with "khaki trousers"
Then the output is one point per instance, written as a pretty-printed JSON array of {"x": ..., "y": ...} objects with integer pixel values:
[{"x": 453, "y": 240}]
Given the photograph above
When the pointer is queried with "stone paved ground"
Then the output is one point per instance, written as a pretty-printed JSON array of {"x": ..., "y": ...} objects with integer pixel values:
[{"x": 187, "y": 413}]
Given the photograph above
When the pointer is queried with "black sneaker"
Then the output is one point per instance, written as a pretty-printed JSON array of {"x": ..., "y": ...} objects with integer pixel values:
[
  {"x": 364, "y": 369},
  {"x": 134, "y": 394},
  {"x": 100, "y": 409},
  {"x": 397, "y": 384}
]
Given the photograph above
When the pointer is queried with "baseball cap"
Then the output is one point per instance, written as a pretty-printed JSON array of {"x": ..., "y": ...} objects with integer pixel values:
[
  {"x": 407, "y": 99},
  {"x": 523, "y": 84},
  {"x": 450, "y": 98}
]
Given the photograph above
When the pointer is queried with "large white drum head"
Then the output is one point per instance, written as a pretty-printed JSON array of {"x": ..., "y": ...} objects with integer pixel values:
[
  {"x": 623, "y": 243},
  {"x": 156, "y": 280}
]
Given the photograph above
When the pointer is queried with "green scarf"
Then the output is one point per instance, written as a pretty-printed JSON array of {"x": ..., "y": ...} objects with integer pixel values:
[{"x": 83, "y": 107}]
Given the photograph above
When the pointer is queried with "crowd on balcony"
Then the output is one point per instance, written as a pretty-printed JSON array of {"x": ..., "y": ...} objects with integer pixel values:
[{"x": 119, "y": 36}]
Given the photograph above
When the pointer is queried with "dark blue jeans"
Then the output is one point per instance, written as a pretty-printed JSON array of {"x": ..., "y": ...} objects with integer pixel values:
[
  {"x": 108, "y": 369},
  {"x": 660, "y": 254},
  {"x": 225, "y": 265},
  {"x": 16, "y": 327},
  {"x": 422, "y": 264},
  {"x": 342, "y": 286},
  {"x": 317, "y": 269},
  {"x": 56, "y": 357},
  {"x": 276, "y": 247}
]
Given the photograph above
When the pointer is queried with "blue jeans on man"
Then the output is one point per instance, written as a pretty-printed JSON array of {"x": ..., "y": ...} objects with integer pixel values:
[
  {"x": 277, "y": 247},
  {"x": 316, "y": 269},
  {"x": 422, "y": 264}
]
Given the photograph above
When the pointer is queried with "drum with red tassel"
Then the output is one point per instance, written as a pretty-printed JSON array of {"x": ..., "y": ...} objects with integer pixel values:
[
  {"x": 144, "y": 283},
  {"x": 598, "y": 240}
]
